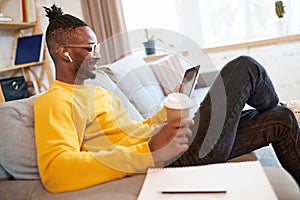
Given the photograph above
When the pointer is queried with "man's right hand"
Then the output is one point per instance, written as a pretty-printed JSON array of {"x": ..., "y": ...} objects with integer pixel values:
[{"x": 170, "y": 139}]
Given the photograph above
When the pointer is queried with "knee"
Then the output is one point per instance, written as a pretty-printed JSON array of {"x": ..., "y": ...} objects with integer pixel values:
[
  {"x": 285, "y": 115},
  {"x": 243, "y": 64},
  {"x": 245, "y": 58}
]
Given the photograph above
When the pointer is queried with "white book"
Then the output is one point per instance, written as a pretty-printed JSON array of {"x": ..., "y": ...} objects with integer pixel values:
[
  {"x": 234, "y": 181},
  {"x": 5, "y": 19}
]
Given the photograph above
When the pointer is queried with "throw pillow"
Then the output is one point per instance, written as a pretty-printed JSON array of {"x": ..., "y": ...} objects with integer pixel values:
[
  {"x": 17, "y": 143},
  {"x": 168, "y": 71}
]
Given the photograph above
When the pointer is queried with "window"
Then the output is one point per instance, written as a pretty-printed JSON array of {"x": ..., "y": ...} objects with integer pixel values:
[
  {"x": 236, "y": 21},
  {"x": 214, "y": 22},
  {"x": 151, "y": 14}
]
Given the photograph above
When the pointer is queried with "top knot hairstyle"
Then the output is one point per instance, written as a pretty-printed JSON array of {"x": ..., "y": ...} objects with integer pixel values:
[{"x": 61, "y": 28}]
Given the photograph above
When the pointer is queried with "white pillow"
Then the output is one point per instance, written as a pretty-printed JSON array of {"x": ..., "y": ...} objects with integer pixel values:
[
  {"x": 103, "y": 80},
  {"x": 138, "y": 82}
]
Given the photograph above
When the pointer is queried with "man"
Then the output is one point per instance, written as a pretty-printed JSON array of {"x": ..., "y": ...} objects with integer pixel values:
[{"x": 85, "y": 137}]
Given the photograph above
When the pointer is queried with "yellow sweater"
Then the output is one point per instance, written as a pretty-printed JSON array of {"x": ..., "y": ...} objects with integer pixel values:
[{"x": 84, "y": 137}]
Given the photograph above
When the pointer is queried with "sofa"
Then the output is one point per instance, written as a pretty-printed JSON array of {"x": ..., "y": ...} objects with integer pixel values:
[{"x": 136, "y": 84}]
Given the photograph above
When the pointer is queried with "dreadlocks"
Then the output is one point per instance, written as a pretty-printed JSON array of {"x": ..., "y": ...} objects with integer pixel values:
[{"x": 61, "y": 27}]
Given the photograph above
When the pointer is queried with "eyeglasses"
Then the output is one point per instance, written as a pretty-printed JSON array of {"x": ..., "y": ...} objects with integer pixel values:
[{"x": 94, "y": 48}]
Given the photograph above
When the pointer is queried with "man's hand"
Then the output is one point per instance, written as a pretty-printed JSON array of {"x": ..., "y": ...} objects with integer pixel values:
[
  {"x": 170, "y": 139},
  {"x": 178, "y": 88}
]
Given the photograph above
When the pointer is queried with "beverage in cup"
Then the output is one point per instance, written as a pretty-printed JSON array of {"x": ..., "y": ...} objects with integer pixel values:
[{"x": 177, "y": 106}]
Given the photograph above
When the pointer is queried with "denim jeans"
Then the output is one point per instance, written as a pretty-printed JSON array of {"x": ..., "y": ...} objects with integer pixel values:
[{"x": 223, "y": 130}]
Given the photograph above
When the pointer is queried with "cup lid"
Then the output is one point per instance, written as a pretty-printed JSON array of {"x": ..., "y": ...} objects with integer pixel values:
[{"x": 178, "y": 101}]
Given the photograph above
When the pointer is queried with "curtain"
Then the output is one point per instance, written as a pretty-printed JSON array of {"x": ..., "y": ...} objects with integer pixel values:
[{"x": 106, "y": 18}]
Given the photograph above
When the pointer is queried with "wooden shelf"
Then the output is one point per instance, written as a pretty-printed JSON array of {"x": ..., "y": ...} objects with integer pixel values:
[
  {"x": 16, "y": 25},
  {"x": 29, "y": 74},
  {"x": 154, "y": 57},
  {"x": 270, "y": 41},
  {"x": 31, "y": 64}
]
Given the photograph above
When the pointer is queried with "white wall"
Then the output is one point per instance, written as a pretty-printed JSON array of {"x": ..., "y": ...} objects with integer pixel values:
[{"x": 282, "y": 62}]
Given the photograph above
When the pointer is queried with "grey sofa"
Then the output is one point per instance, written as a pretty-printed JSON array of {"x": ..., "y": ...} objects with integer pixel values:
[{"x": 19, "y": 178}]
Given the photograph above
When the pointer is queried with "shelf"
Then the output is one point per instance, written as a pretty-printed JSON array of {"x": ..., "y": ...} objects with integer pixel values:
[
  {"x": 151, "y": 58},
  {"x": 270, "y": 41},
  {"x": 31, "y": 64},
  {"x": 16, "y": 25}
]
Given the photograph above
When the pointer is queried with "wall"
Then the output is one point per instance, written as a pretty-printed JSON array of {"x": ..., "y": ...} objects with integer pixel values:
[{"x": 282, "y": 62}]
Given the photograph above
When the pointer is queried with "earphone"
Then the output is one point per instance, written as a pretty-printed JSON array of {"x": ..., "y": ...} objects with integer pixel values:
[{"x": 68, "y": 55}]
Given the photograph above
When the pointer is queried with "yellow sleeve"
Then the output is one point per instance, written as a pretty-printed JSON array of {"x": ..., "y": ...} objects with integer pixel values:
[
  {"x": 158, "y": 118},
  {"x": 63, "y": 165}
]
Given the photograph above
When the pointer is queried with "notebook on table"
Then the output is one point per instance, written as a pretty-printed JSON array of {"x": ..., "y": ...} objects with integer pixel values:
[{"x": 234, "y": 181}]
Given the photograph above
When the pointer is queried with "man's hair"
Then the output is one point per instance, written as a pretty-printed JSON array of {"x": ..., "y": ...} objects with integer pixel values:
[{"x": 60, "y": 29}]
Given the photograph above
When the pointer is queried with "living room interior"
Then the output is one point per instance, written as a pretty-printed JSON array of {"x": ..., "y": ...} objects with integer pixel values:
[{"x": 209, "y": 33}]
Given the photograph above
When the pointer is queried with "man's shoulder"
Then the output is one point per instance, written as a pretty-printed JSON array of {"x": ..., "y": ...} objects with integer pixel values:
[{"x": 53, "y": 94}]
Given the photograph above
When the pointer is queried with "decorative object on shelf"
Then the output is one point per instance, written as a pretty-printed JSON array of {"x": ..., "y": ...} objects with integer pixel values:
[
  {"x": 150, "y": 43},
  {"x": 14, "y": 88},
  {"x": 279, "y": 8},
  {"x": 29, "y": 49}
]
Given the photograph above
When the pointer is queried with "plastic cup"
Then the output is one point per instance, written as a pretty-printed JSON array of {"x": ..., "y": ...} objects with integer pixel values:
[{"x": 177, "y": 106}]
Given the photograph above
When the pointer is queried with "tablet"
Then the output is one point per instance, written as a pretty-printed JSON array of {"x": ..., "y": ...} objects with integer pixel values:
[{"x": 190, "y": 79}]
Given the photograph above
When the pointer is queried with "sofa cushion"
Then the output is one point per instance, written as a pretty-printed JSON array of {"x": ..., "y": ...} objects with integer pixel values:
[
  {"x": 136, "y": 79},
  {"x": 128, "y": 188},
  {"x": 168, "y": 71},
  {"x": 283, "y": 183},
  {"x": 17, "y": 143},
  {"x": 104, "y": 81}
]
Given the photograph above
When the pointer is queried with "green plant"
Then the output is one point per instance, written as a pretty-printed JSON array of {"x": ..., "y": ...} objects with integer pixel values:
[{"x": 148, "y": 36}]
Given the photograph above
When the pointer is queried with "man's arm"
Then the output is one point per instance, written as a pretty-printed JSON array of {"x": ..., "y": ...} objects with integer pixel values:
[{"x": 65, "y": 165}]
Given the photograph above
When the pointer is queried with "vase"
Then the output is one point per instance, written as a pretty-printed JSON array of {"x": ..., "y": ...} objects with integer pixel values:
[{"x": 149, "y": 47}]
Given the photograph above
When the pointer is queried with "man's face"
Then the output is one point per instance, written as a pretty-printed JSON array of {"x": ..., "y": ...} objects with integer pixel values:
[{"x": 85, "y": 51}]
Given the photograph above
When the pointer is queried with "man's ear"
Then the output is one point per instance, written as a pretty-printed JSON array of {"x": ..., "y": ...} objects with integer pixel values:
[
  {"x": 68, "y": 55},
  {"x": 65, "y": 55}
]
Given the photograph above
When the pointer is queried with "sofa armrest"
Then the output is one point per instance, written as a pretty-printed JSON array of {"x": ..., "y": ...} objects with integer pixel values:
[{"x": 206, "y": 78}]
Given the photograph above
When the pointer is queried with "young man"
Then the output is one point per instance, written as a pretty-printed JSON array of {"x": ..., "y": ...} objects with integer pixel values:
[{"x": 85, "y": 137}]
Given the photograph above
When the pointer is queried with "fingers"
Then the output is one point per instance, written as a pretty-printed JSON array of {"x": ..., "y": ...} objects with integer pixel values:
[
  {"x": 181, "y": 123},
  {"x": 184, "y": 132},
  {"x": 178, "y": 88}
]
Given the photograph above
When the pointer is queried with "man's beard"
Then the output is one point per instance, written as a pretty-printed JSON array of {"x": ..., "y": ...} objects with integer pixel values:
[
  {"x": 90, "y": 74},
  {"x": 83, "y": 71}
]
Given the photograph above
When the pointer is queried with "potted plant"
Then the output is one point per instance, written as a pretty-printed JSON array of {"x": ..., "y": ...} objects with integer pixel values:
[{"x": 150, "y": 43}]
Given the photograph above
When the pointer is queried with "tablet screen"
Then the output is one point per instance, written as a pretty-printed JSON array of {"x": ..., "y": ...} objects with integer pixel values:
[{"x": 190, "y": 79}]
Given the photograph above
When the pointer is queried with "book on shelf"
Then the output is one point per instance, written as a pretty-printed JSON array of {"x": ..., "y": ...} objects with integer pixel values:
[
  {"x": 29, "y": 49},
  {"x": 5, "y": 19},
  {"x": 234, "y": 181}
]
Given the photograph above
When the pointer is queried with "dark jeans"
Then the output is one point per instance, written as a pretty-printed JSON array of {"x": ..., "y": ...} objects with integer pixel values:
[{"x": 222, "y": 130}]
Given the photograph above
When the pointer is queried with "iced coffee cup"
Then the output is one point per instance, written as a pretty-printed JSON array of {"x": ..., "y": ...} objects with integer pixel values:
[{"x": 177, "y": 106}]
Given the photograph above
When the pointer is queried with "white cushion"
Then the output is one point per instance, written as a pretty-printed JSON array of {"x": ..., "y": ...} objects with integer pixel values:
[
  {"x": 103, "y": 80},
  {"x": 135, "y": 78}
]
